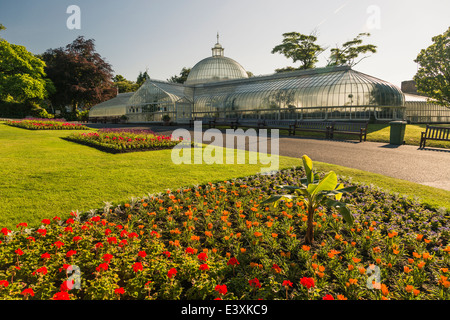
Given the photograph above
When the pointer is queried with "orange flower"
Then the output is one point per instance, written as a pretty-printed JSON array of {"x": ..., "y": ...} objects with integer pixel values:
[
  {"x": 243, "y": 250},
  {"x": 376, "y": 249},
  {"x": 332, "y": 253},
  {"x": 445, "y": 270},
  {"x": 416, "y": 255},
  {"x": 274, "y": 235},
  {"x": 421, "y": 264},
  {"x": 269, "y": 224},
  {"x": 341, "y": 297},
  {"x": 356, "y": 260},
  {"x": 406, "y": 269},
  {"x": 392, "y": 234},
  {"x": 306, "y": 248},
  {"x": 314, "y": 266},
  {"x": 409, "y": 288},
  {"x": 257, "y": 234},
  {"x": 208, "y": 233},
  {"x": 419, "y": 237},
  {"x": 362, "y": 270},
  {"x": 350, "y": 267},
  {"x": 426, "y": 255},
  {"x": 384, "y": 290},
  {"x": 416, "y": 292},
  {"x": 353, "y": 281}
]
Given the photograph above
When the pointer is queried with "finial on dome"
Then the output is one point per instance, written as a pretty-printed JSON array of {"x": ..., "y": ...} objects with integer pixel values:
[{"x": 217, "y": 50}]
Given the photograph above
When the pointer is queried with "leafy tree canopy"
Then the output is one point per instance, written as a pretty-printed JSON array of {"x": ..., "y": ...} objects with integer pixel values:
[
  {"x": 142, "y": 77},
  {"x": 349, "y": 52},
  {"x": 300, "y": 48},
  {"x": 182, "y": 77},
  {"x": 433, "y": 75},
  {"x": 22, "y": 75},
  {"x": 81, "y": 76},
  {"x": 124, "y": 85}
]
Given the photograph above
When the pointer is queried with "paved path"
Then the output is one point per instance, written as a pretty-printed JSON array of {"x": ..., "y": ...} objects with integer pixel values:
[{"x": 430, "y": 166}]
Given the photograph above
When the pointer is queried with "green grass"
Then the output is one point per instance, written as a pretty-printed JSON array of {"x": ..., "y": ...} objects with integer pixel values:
[{"x": 43, "y": 175}]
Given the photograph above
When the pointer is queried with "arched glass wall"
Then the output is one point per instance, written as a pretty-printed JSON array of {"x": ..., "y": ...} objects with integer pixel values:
[{"x": 338, "y": 93}]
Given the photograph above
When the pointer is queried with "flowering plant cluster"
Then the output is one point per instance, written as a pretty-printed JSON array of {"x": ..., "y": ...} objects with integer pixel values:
[
  {"x": 124, "y": 140},
  {"x": 217, "y": 241},
  {"x": 42, "y": 124}
]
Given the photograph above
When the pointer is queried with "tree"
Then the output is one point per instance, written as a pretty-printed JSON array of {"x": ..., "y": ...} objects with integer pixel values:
[
  {"x": 81, "y": 76},
  {"x": 300, "y": 47},
  {"x": 22, "y": 75},
  {"x": 142, "y": 77},
  {"x": 286, "y": 69},
  {"x": 350, "y": 51},
  {"x": 124, "y": 85},
  {"x": 433, "y": 75},
  {"x": 314, "y": 193},
  {"x": 182, "y": 77}
]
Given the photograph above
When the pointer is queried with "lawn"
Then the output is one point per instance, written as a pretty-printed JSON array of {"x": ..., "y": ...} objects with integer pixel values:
[{"x": 43, "y": 174}]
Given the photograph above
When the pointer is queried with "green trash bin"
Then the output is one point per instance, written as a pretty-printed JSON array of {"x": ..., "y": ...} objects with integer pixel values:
[{"x": 397, "y": 132}]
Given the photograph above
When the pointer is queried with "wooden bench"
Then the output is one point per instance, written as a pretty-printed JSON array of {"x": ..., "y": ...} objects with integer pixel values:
[
  {"x": 279, "y": 124},
  {"x": 202, "y": 119},
  {"x": 250, "y": 123},
  {"x": 231, "y": 122},
  {"x": 434, "y": 133},
  {"x": 353, "y": 128},
  {"x": 313, "y": 126}
]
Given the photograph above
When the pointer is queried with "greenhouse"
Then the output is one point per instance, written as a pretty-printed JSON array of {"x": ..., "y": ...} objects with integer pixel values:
[{"x": 218, "y": 86}]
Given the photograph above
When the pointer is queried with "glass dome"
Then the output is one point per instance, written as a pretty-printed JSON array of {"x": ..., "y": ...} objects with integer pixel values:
[{"x": 215, "y": 68}]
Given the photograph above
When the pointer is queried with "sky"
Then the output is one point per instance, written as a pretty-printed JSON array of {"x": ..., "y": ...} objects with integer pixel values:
[{"x": 164, "y": 36}]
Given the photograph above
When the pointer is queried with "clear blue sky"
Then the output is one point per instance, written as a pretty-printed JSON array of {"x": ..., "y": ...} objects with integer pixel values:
[{"x": 165, "y": 36}]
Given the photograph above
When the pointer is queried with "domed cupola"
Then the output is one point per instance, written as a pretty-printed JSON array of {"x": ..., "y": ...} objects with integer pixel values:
[{"x": 215, "y": 68}]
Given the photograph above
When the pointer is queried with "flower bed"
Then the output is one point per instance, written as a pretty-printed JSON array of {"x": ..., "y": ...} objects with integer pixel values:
[
  {"x": 218, "y": 241},
  {"x": 124, "y": 140},
  {"x": 42, "y": 124}
]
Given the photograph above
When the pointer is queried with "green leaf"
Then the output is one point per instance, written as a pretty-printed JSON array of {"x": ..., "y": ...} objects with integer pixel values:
[
  {"x": 343, "y": 210},
  {"x": 308, "y": 165},
  {"x": 329, "y": 182}
]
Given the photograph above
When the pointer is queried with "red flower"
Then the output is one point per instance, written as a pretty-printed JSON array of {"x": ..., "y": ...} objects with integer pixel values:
[
  {"x": 22, "y": 224},
  {"x": 102, "y": 266},
  {"x": 204, "y": 267},
  {"x": 124, "y": 233},
  {"x": 27, "y": 291},
  {"x": 107, "y": 257},
  {"x": 107, "y": 231},
  {"x": 286, "y": 283},
  {"x": 30, "y": 238},
  {"x": 45, "y": 255},
  {"x": 70, "y": 221},
  {"x": 137, "y": 266},
  {"x": 233, "y": 261},
  {"x": 42, "y": 232},
  {"x": 142, "y": 254},
  {"x": 45, "y": 221},
  {"x": 77, "y": 238},
  {"x": 112, "y": 240},
  {"x": 58, "y": 244},
  {"x": 167, "y": 253},
  {"x": 95, "y": 219},
  {"x": 307, "y": 282},
  {"x": 98, "y": 245},
  {"x": 63, "y": 295},
  {"x": 189, "y": 250},
  {"x": 328, "y": 297},
  {"x": 42, "y": 270},
  {"x": 4, "y": 283},
  {"x": 202, "y": 256},
  {"x": 254, "y": 283},
  {"x": 70, "y": 253},
  {"x": 19, "y": 251},
  {"x": 119, "y": 291},
  {"x": 5, "y": 231},
  {"x": 133, "y": 235},
  {"x": 172, "y": 272},
  {"x": 222, "y": 289}
]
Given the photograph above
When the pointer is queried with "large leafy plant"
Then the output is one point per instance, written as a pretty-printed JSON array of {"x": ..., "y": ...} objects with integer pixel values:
[{"x": 315, "y": 192}]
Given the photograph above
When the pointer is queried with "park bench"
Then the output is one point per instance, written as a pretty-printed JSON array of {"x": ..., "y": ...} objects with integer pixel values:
[
  {"x": 279, "y": 124},
  {"x": 353, "y": 128},
  {"x": 434, "y": 133},
  {"x": 313, "y": 126},
  {"x": 231, "y": 122},
  {"x": 250, "y": 123},
  {"x": 204, "y": 120}
]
